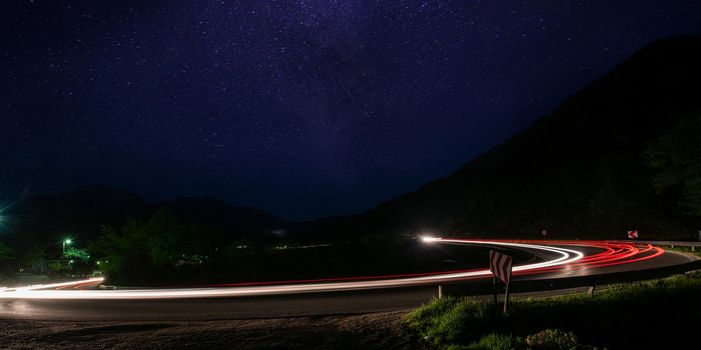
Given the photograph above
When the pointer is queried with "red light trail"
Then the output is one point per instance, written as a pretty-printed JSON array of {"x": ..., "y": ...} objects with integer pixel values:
[{"x": 563, "y": 256}]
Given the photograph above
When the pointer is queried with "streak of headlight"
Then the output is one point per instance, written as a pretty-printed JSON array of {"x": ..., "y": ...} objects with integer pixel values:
[
  {"x": 56, "y": 285},
  {"x": 40, "y": 292}
]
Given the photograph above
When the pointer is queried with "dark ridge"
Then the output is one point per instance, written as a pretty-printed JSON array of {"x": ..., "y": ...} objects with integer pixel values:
[{"x": 589, "y": 150}]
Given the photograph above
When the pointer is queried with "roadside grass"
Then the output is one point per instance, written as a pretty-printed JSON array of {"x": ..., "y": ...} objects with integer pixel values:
[
  {"x": 657, "y": 314},
  {"x": 687, "y": 250}
]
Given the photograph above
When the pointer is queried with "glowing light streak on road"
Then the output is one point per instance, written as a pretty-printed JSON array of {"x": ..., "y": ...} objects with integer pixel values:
[
  {"x": 565, "y": 258},
  {"x": 54, "y": 285}
]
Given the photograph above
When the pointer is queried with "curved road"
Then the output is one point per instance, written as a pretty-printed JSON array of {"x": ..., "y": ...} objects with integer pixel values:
[{"x": 557, "y": 264}]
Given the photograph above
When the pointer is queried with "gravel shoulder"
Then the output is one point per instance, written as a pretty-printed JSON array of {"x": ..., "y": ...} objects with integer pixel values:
[{"x": 367, "y": 331}]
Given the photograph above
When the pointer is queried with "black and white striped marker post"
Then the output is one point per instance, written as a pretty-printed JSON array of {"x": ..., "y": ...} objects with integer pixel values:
[{"x": 500, "y": 265}]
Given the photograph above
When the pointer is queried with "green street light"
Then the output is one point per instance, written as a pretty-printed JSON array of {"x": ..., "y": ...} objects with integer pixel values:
[{"x": 65, "y": 242}]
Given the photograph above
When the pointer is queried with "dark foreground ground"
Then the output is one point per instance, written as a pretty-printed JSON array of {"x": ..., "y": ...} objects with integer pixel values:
[{"x": 367, "y": 331}]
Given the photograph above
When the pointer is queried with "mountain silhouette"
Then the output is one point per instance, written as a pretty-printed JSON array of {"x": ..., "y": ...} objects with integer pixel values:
[
  {"x": 82, "y": 213},
  {"x": 578, "y": 172}
]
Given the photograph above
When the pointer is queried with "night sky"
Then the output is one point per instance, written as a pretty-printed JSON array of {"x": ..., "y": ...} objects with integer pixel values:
[{"x": 301, "y": 108}]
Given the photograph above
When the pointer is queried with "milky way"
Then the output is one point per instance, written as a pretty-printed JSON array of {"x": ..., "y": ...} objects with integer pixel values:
[{"x": 302, "y": 108}]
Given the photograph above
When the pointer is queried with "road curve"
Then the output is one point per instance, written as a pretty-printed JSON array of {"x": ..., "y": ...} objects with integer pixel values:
[{"x": 558, "y": 260}]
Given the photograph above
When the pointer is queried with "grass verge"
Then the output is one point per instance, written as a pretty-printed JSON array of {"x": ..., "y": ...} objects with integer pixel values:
[
  {"x": 687, "y": 250},
  {"x": 646, "y": 315}
]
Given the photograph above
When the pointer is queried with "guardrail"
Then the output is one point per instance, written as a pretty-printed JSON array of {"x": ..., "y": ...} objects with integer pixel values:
[
  {"x": 592, "y": 281},
  {"x": 485, "y": 287},
  {"x": 693, "y": 245}
]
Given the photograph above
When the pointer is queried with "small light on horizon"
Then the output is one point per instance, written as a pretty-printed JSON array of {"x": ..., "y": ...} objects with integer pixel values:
[{"x": 429, "y": 239}]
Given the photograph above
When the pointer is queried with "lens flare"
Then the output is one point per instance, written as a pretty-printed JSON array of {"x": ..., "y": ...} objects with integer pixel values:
[{"x": 429, "y": 239}]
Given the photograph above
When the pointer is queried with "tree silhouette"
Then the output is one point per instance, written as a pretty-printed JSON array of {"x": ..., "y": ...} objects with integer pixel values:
[{"x": 676, "y": 157}]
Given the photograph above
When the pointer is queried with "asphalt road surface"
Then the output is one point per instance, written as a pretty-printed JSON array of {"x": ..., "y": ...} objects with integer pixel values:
[{"x": 620, "y": 260}]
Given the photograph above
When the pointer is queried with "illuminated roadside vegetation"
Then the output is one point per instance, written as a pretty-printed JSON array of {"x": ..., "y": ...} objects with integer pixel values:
[
  {"x": 687, "y": 250},
  {"x": 165, "y": 251},
  {"x": 655, "y": 314}
]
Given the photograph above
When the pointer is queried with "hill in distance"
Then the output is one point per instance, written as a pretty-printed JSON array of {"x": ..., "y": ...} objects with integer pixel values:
[
  {"x": 578, "y": 172},
  {"x": 82, "y": 213}
]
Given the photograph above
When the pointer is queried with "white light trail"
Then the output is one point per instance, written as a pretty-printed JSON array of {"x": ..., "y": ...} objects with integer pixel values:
[
  {"x": 54, "y": 285},
  {"x": 565, "y": 256}
]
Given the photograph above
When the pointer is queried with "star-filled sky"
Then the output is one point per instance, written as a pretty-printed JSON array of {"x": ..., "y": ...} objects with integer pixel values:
[{"x": 302, "y": 108}]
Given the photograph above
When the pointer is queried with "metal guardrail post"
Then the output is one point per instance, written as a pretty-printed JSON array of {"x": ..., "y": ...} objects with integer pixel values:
[
  {"x": 506, "y": 298},
  {"x": 671, "y": 244}
]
